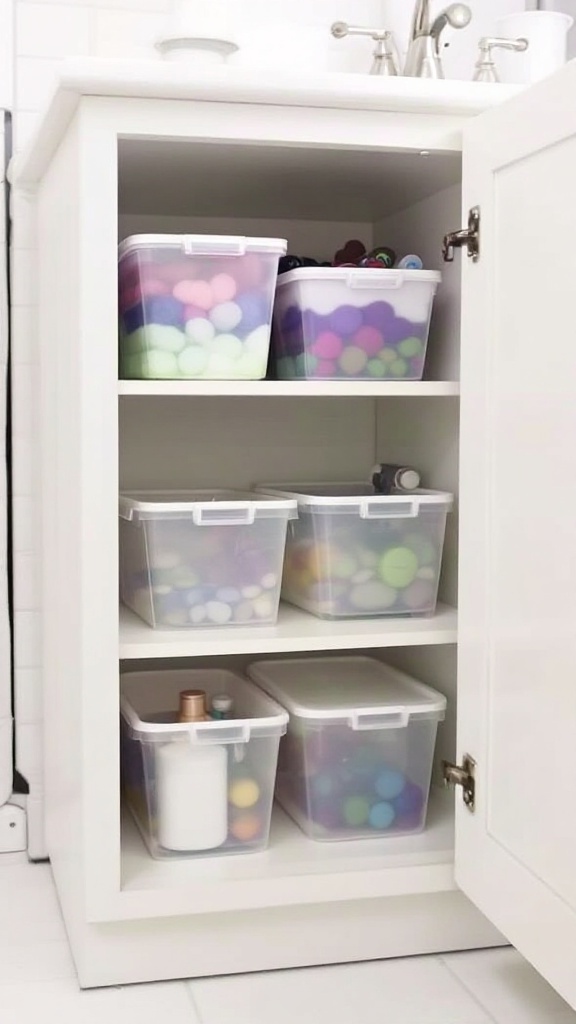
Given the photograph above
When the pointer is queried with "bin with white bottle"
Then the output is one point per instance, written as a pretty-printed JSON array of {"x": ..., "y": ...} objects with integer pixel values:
[{"x": 199, "y": 788}]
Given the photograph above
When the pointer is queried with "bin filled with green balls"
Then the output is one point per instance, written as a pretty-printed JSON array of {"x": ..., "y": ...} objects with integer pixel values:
[
  {"x": 357, "y": 759},
  {"x": 352, "y": 553}
]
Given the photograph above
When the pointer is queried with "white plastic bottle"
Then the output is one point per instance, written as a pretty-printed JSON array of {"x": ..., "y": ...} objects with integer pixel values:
[{"x": 192, "y": 787}]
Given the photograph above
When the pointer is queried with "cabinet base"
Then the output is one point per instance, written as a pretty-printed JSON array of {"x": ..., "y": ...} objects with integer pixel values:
[{"x": 265, "y": 940}]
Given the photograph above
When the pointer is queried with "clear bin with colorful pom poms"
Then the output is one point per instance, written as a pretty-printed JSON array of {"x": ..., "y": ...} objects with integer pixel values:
[
  {"x": 196, "y": 306},
  {"x": 353, "y": 553},
  {"x": 356, "y": 761},
  {"x": 197, "y": 559},
  {"x": 352, "y": 323}
]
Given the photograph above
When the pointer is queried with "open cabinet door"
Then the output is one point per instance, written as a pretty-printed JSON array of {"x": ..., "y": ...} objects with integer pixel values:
[{"x": 516, "y": 853}]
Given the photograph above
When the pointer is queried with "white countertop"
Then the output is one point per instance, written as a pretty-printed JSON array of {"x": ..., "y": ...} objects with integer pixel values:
[{"x": 156, "y": 79}]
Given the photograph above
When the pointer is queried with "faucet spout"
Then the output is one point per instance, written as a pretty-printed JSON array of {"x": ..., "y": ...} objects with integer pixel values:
[
  {"x": 421, "y": 20},
  {"x": 423, "y": 59}
]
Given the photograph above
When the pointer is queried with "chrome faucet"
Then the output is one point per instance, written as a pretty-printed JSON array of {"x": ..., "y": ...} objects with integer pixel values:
[{"x": 423, "y": 59}]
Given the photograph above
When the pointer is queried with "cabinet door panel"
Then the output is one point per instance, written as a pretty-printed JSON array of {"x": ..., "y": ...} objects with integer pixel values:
[{"x": 517, "y": 673}]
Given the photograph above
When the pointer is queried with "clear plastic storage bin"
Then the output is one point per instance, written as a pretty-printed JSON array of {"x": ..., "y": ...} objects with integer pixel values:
[
  {"x": 196, "y": 306},
  {"x": 353, "y": 553},
  {"x": 357, "y": 760},
  {"x": 202, "y": 558},
  {"x": 202, "y": 788},
  {"x": 352, "y": 323}
]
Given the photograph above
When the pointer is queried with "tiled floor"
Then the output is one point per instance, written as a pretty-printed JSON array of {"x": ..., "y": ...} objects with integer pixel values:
[{"x": 37, "y": 982}]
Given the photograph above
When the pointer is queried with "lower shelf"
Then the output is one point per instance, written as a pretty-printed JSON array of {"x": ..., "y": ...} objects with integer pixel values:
[
  {"x": 295, "y": 630},
  {"x": 293, "y": 871}
]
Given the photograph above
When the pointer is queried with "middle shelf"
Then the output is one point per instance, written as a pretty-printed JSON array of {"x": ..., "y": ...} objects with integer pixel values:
[{"x": 295, "y": 630}]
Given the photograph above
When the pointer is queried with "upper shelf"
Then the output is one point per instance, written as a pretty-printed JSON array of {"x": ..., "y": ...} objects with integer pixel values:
[{"x": 290, "y": 389}]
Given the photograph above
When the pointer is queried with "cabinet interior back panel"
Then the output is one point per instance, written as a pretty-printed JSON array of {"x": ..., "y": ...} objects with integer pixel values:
[
  {"x": 420, "y": 228},
  {"x": 207, "y": 442}
]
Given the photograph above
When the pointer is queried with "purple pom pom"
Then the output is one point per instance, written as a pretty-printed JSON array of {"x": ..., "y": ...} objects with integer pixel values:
[{"x": 346, "y": 320}]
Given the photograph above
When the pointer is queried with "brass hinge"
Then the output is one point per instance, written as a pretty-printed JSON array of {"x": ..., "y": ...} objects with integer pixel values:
[
  {"x": 469, "y": 237},
  {"x": 464, "y": 776}
]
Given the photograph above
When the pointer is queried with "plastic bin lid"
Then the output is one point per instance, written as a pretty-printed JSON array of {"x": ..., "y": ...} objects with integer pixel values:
[
  {"x": 205, "y": 506},
  {"x": 338, "y": 689},
  {"x": 204, "y": 245},
  {"x": 361, "y": 277},
  {"x": 149, "y": 700},
  {"x": 353, "y": 497}
]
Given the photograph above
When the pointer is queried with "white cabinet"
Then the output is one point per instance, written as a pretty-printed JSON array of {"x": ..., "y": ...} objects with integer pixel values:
[{"x": 118, "y": 154}]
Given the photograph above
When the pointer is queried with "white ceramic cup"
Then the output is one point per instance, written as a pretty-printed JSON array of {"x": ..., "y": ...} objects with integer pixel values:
[{"x": 547, "y": 35}]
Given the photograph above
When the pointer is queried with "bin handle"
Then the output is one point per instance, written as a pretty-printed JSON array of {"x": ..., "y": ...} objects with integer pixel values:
[
  {"x": 221, "y": 733},
  {"x": 391, "y": 718},
  {"x": 213, "y": 245},
  {"x": 385, "y": 280},
  {"x": 206, "y": 515},
  {"x": 397, "y": 510}
]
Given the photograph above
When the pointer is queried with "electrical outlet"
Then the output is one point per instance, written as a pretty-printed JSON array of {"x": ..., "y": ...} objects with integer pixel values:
[{"x": 12, "y": 829}]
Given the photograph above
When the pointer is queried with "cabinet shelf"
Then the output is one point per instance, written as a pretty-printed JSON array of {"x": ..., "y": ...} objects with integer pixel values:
[
  {"x": 290, "y": 389},
  {"x": 295, "y": 630},
  {"x": 293, "y": 871}
]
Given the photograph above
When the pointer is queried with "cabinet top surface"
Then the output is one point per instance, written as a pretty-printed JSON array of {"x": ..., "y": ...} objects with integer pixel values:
[{"x": 154, "y": 80}]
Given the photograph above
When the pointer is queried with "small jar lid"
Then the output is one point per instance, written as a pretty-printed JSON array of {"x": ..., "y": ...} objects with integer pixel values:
[
  {"x": 222, "y": 702},
  {"x": 192, "y": 706}
]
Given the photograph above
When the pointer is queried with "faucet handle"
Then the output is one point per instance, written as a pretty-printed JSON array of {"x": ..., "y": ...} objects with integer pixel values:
[
  {"x": 386, "y": 60},
  {"x": 486, "y": 67}
]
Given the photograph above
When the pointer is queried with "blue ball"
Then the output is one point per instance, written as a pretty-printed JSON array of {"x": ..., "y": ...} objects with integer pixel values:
[
  {"x": 133, "y": 318},
  {"x": 323, "y": 785},
  {"x": 164, "y": 309},
  {"x": 381, "y": 815},
  {"x": 291, "y": 320},
  {"x": 255, "y": 308},
  {"x": 390, "y": 784},
  {"x": 410, "y": 800}
]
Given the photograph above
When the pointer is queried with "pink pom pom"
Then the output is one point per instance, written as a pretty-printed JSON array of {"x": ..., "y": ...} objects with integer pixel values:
[
  {"x": 249, "y": 270},
  {"x": 369, "y": 340},
  {"x": 128, "y": 297},
  {"x": 223, "y": 287},
  {"x": 194, "y": 293},
  {"x": 172, "y": 273},
  {"x": 151, "y": 287},
  {"x": 327, "y": 346}
]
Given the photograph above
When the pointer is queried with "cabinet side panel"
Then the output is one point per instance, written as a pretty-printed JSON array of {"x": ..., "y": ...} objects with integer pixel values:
[{"x": 78, "y": 440}]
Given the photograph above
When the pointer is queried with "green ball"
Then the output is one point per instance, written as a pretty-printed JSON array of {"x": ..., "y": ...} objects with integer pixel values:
[
  {"x": 193, "y": 361},
  {"x": 305, "y": 364},
  {"x": 376, "y": 368},
  {"x": 164, "y": 338},
  {"x": 343, "y": 567},
  {"x": 159, "y": 365},
  {"x": 399, "y": 368},
  {"x": 422, "y": 547},
  {"x": 356, "y": 811},
  {"x": 398, "y": 567},
  {"x": 411, "y": 347},
  {"x": 135, "y": 342},
  {"x": 183, "y": 578},
  {"x": 388, "y": 355},
  {"x": 286, "y": 368},
  {"x": 131, "y": 366}
]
